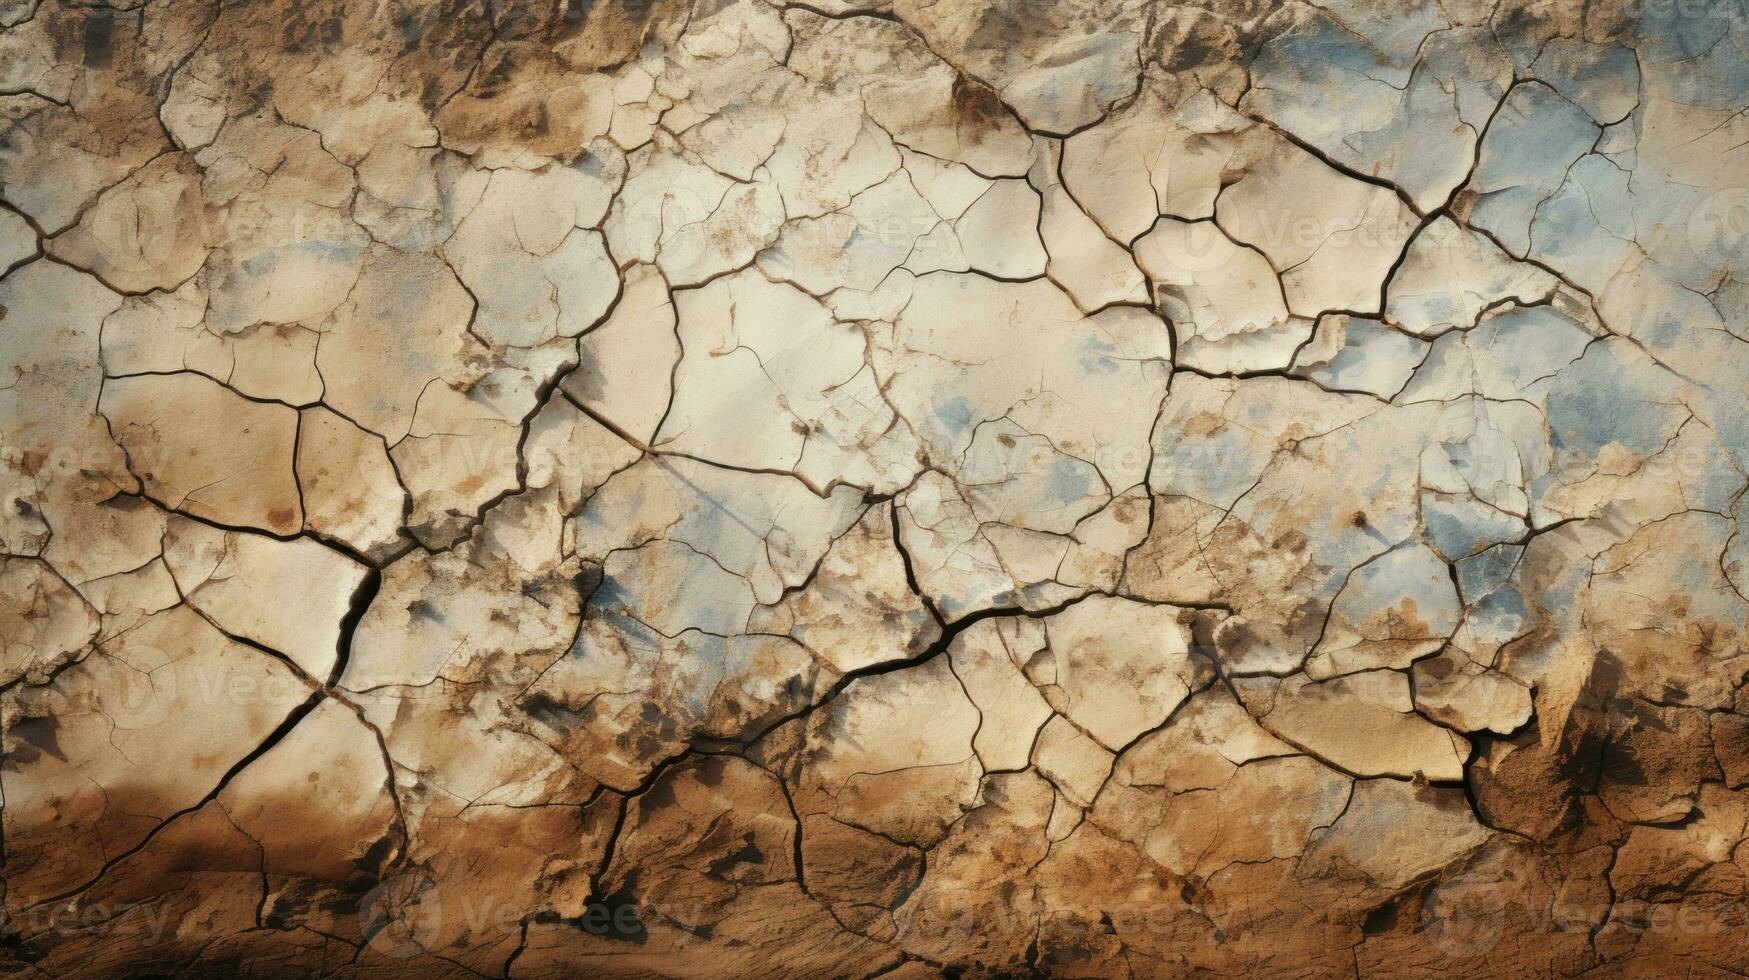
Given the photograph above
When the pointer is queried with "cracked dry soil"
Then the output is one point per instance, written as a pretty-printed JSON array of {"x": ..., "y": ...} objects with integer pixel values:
[{"x": 906, "y": 488}]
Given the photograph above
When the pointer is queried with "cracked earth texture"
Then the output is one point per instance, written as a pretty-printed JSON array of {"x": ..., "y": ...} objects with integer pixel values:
[{"x": 895, "y": 488}]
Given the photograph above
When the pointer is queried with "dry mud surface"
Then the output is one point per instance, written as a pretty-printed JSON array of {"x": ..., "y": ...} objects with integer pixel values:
[{"x": 858, "y": 488}]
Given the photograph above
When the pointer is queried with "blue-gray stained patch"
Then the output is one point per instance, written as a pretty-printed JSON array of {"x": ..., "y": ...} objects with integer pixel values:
[
  {"x": 1096, "y": 356},
  {"x": 1068, "y": 481},
  {"x": 1600, "y": 400},
  {"x": 1483, "y": 573},
  {"x": 259, "y": 264},
  {"x": 1460, "y": 526},
  {"x": 954, "y": 415}
]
